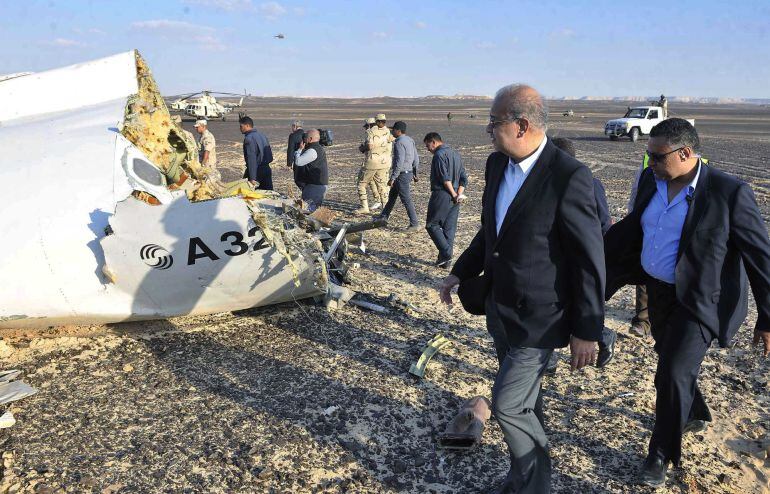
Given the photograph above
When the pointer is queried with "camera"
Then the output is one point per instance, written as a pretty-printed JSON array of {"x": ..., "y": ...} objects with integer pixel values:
[{"x": 327, "y": 137}]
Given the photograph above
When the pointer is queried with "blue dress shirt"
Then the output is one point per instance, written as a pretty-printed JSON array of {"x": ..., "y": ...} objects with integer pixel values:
[
  {"x": 662, "y": 224},
  {"x": 513, "y": 179}
]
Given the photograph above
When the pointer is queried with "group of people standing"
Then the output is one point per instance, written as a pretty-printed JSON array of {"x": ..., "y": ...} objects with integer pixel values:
[
  {"x": 547, "y": 257},
  {"x": 540, "y": 270},
  {"x": 391, "y": 159}
]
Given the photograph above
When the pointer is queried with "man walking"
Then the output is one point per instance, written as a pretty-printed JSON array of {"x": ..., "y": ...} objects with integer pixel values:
[
  {"x": 540, "y": 249},
  {"x": 640, "y": 323},
  {"x": 404, "y": 169},
  {"x": 295, "y": 138},
  {"x": 694, "y": 236},
  {"x": 313, "y": 172},
  {"x": 257, "y": 154},
  {"x": 609, "y": 337},
  {"x": 378, "y": 150},
  {"x": 447, "y": 183}
]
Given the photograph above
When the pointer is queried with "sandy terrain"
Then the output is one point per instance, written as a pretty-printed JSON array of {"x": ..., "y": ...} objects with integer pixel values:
[{"x": 294, "y": 398}]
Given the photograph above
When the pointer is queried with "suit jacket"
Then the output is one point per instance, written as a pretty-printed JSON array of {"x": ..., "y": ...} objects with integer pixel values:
[
  {"x": 545, "y": 269},
  {"x": 723, "y": 240}
]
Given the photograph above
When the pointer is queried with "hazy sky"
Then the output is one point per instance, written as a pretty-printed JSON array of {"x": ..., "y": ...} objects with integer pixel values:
[{"x": 399, "y": 48}]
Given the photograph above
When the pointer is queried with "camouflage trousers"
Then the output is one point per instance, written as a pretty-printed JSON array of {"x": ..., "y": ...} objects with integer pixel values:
[{"x": 377, "y": 180}]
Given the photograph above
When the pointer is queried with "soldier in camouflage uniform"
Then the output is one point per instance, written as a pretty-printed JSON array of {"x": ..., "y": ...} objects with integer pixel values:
[
  {"x": 379, "y": 155},
  {"x": 207, "y": 150}
]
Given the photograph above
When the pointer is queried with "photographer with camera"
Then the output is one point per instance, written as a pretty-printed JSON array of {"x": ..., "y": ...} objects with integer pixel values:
[{"x": 312, "y": 169}]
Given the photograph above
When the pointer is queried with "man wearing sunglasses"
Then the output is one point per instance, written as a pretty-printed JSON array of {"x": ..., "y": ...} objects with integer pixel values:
[
  {"x": 694, "y": 236},
  {"x": 541, "y": 253}
]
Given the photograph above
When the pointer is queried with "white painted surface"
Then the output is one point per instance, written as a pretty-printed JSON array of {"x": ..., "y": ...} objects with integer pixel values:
[
  {"x": 69, "y": 88},
  {"x": 62, "y": 178}
]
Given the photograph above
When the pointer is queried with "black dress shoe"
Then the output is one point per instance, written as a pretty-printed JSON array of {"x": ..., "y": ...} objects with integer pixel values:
[
  {"x": 444, "y": 263},
  {"x": 653, "y": 471},
  {"x": 606, "y": 350},
  {"x": 694, "y": 426}
]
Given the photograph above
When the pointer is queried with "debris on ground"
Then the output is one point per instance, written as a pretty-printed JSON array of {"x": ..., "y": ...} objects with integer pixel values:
[
  {"x": 368, "y": 305},
  {"x": 11, "y": 390},
  {"x": 7, "y": 420},
  {"x": 465, "y": 430},
  {"x": 432, "y": 348},
  {"x": 337, "y": 296},
  {"x": 399, "y": 303}
]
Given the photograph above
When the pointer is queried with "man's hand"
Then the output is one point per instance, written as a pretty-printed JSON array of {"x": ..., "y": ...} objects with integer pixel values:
[
  {"x": 302, "y": 145},
  {"x": 253, "y": 183},
  {"x": 583, "y": 352},
  {"x": 390, "y": 183},
  {"x": 765, "y": 337},
  {"x": 445, "y": 290},
  {"x": 414, "y": 178}
]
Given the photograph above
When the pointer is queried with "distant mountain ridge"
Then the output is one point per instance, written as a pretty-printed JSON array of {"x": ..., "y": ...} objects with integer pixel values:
[
  {"x": 473, "y": 97},
  {"x": 671, "y": 99}
]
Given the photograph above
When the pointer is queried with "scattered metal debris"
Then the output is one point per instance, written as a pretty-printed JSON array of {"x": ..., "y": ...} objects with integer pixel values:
[
  {"x": 399, "y": 303},
  {"x": 324, "y": 216},
  {"x": 368, "y": 305},
  {"x": 7, "y": 420},
  {"x": 337, "y": 296},
  {"x": 465, "y": 430},
  {"x": 11, "y": 390},
  {"x": 433, "y": 347}
]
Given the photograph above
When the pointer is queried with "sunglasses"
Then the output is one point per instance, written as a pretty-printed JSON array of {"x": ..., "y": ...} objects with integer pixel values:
[{"x": 659, "y": 157}]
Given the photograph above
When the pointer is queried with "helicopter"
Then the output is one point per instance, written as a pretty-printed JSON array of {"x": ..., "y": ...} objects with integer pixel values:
[{"x": 206, "y": 105}]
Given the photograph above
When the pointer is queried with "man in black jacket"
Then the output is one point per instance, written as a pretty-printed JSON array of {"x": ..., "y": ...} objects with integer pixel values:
[
  {"x": 694, "y": 235},
  {"x": 540, "y": 249},
  {"x": 257, "y": 154},
  {"x": 310, "y": 160},
  {"x": 295, "y": 138},
  {"x": 609, "y": 337}
]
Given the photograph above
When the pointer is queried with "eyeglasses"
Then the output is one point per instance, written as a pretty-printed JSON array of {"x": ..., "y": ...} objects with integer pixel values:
[
  {"x": 659, "y": 157},
  {"x": 494, "y": 122}
]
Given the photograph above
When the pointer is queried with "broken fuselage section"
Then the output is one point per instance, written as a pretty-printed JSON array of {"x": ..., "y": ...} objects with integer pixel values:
[{"x": 110, "y": 217}]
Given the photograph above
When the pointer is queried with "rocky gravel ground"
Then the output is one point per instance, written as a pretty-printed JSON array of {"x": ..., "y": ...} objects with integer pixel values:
[{"x": 295, "y": 398}]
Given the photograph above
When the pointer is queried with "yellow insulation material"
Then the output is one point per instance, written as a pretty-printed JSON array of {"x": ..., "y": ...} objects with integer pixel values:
[
  {"x": 148, "y": 125},
  {"x": 290, "y": 243}
]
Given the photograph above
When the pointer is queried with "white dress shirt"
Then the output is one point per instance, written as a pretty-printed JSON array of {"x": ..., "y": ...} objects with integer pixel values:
[{"x": 513, "y": 179}]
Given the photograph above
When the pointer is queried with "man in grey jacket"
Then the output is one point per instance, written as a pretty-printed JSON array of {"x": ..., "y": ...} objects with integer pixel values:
[{"x": 402, "y": 172}]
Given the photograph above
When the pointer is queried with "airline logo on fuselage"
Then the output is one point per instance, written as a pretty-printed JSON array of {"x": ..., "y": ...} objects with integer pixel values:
[{"x": 157, "y": 257}]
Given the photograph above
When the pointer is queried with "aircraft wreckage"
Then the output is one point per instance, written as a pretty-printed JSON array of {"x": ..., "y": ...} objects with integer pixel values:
[{"x": 109, "y": 217}]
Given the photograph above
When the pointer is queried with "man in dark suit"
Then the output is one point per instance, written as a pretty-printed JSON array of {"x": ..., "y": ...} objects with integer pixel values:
[
  {"x": 540, "y": 249},
  {"x": 609, "y": 337},
  {"x": 694, "y": 235}
]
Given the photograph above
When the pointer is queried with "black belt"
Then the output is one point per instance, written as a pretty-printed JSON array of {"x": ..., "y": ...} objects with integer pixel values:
[
  {"x": 660, "y": 286},
  {"x": 654, "y": 281}
]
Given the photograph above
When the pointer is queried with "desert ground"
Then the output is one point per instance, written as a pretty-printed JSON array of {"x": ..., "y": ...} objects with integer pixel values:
[{"x": 297, "y": 398}]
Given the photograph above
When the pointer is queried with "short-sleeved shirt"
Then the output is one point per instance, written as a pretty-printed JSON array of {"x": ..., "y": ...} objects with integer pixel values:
[
  {"x": 447, "y": 166},
  {"x": 208, "y": 143}
]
